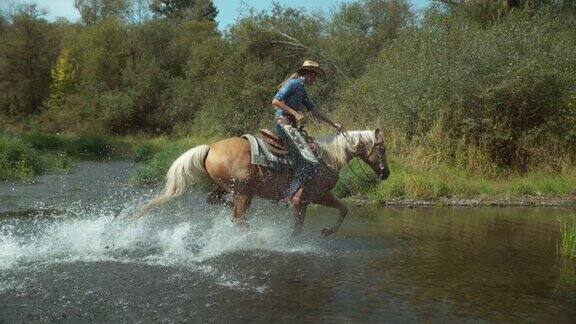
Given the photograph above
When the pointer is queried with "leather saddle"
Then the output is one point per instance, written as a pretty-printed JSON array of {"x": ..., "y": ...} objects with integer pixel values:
[
  {"x": 277, "y": 146},
  {"x": 274, "y": 144}
]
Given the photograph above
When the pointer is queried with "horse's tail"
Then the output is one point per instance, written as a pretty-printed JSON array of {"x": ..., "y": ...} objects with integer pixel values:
[{"x": 184, "y": 170}]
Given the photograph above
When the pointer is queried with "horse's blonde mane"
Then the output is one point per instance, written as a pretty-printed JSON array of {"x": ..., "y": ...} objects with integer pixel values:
[{"x": 335, "y": 149}]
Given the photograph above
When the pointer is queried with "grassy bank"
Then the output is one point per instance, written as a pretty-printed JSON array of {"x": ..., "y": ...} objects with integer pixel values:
[
  {"x": 440, "y": 184},
  {"x": 415, "y": 180},
  {"x": 21, "y": 161},
  {"x": 417, "y": 174},
  {"x": 26, "y": 155}
]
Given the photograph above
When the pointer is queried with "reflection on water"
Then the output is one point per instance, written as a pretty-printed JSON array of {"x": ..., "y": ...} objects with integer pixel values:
[
  {"x": 567, "y": 273},
  {"x": 81, "y": 259},
  {"x": 494, "y": 263}
]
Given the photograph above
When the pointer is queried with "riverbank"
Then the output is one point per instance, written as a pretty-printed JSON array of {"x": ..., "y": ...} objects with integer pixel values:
[
  {"x": 412, "y": 183},
  {"x": 24, "y": 156},
  {"x": 481, "y": 201},
  {"x": 532, "y": 189}
]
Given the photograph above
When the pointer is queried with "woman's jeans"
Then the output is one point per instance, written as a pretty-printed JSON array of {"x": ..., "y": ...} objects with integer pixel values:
[{"x": 304, "y": 170}]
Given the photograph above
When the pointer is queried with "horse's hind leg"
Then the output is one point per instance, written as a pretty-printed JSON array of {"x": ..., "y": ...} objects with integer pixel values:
[
  {"x": 300, "y": 213},
  {"x": 241, "y": 204},
  {"x": 218, "y": 197}
]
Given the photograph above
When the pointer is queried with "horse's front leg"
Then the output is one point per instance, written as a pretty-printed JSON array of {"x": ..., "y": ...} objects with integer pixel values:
[
  {"x": 218, "y": 197},
  {"x": 329, "y": 200},
  {"x": 300, "y": 213},
  {"x": 241, "y": 203}
]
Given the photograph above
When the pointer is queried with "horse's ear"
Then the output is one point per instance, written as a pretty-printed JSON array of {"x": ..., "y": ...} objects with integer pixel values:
[{"x": 378, "y": 135}]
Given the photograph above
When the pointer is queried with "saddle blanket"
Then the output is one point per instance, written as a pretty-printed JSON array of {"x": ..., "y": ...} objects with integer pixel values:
[{"x": 260, "y": 155}]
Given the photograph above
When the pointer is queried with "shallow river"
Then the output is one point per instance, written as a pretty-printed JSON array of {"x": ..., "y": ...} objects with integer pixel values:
[{"x": 69, "y": 253}]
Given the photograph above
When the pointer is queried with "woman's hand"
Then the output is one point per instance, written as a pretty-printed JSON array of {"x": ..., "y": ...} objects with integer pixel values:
[
  {"x": 299, "y": 117},
  {"x": 340, "y": 128}
]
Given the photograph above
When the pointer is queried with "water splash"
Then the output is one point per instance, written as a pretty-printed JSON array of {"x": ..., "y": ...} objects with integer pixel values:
[{"x": 169, "y": 238}]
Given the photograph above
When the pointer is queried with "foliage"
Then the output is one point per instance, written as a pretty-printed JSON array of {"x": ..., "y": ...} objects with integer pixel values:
[
  {"x": 568, "y": 240},
  {"x": 83, "y": 144},
  {"x": 44, "y": 141},
  {"x": 509, "y": 88},
  {"x": 485, "y": 88},
  {"x": 91, "y": 144},
  {"x": 153, "y": 170},
  {"x": 94, "y": 11},
  {"x": 63, "y": 81},
  {"x": 17, "y": 159},
  {"x": 189, "y": 9},
  {"x": 28, "y": 46},
  {"x": 359, "y": 30}
]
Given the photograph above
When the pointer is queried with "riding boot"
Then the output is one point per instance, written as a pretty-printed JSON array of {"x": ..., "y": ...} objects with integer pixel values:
[
  {"x": 294, "y": 189},
  {"x": 297, "y": 198}
]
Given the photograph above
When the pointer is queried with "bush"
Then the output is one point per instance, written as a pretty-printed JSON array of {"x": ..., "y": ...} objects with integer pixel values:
[
  {"x": 18, "y": 160},
  {"x": 44, "y": 141},
  {"x": 507, "y": 88},
  {"x": 144, "y": 152},
  {"x": 91, "y": 144},
  {"x": 56, "y": 161}
]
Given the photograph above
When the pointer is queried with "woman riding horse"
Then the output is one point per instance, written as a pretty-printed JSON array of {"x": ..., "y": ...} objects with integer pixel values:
[
  {"x": 289, "y": 104},
  {"x": 227, "y": 163}
]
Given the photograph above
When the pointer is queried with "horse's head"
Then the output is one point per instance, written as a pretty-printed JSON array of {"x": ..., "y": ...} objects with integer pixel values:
[{"x": 375, "y": 156}]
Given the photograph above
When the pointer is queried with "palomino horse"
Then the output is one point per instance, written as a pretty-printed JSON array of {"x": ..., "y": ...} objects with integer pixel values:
[{"x": 227, "y": 164}]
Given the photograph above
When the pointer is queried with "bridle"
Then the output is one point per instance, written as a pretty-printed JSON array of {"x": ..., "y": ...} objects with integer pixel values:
[{"x": 367, "y": 177}]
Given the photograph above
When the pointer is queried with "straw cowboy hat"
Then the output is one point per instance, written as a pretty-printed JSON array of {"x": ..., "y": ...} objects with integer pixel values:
[{"x": 312, "y": 66}]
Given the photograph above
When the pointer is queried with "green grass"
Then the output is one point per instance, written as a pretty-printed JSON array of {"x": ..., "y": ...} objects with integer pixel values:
[
  {"x": 44, "y": 141},
  {"x": 416, "y": 173},
  {"x": 415, "y": 180},
  {"x": 83, "y": 144},
  {"x": 567, "y": 273},
  {"x": 160, "y": 154},
  {"x": 57, "y": 161},
  {"x": 568, "y": 240},
  {"x": 91, "y": 144},
  {"x": 137, "y": 148},
  {"x": 18, "y": 160},
  {"x": 23, "y": 156}
]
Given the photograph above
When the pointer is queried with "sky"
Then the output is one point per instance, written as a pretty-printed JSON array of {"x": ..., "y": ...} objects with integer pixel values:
[{"x": 228, "y": 10}]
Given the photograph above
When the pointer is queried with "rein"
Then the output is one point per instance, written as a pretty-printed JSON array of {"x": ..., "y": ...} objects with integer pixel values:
[
  {"x": 367, "y": 179},
  {"x": 367, "y": 176}
]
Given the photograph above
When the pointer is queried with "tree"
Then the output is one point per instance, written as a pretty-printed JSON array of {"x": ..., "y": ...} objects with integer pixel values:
[
  {"x": 93, "y": 11},
  {"x": 28, "y": 49},
  {"x": 3, "y": 22},
  {"x": 189, "y": 9},
  {"x": 563, "y": 4},
  {"x": 63, "y": 79},
  {"x": 138, "y": 11},
  {"x": 358, "y": 31}
]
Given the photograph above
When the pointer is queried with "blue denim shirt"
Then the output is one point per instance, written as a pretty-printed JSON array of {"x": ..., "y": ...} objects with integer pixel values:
[{"x": 294, "y": 95}]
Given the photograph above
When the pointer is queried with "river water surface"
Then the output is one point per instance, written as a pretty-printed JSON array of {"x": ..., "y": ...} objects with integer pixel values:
[{"x": 68, "y": 252}]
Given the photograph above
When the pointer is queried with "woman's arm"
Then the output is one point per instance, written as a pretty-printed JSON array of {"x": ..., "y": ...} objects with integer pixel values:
[
  {"x": 284, "y": 107},
  {"x": 318, "y": 114}
]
